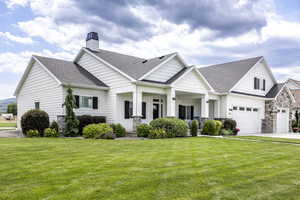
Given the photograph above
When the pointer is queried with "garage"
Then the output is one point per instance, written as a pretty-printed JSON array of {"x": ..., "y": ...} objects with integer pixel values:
[
  {"x": 282, "y": 125},
  {"x": 247, "y": 119}
]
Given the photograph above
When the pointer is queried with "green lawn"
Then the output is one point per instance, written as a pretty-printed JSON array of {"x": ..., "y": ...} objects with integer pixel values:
[
  {"x": 180, "y": 169},
  {"x": 8, "y": 125}
]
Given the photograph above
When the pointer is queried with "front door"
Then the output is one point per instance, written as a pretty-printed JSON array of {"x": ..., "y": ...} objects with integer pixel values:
[{"x": 155, "y": 110}]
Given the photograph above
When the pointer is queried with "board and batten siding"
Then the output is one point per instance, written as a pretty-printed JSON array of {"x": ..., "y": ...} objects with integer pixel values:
[
  {"x": 102, "y": 98},
  {"x": 166, "y": 71},
  {"x": 191, "y": 82},
  {"x": 39, "y": 86},
  {"x": 110, "y": 77}
]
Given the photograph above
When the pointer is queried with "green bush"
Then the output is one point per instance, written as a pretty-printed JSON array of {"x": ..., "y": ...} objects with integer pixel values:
[
  {"x": 174, "y": 127},
  {"x": 119, "y": 130},
  {"x": 229, "y": 124},
  {"x": 158, "y": 133},
  {"x": 85, "y": 120},
  {"x": 34, "y": 120},
  {"x": 209, "y": 128},
  {"x": 194, "y": 128},
  {"x": 96, "y": 130},
  {"x": 33, "y": 133},
  {"x": 109, "y": 136},
  {"x": 49, "y": 132},
  {"x": 226, "y": 132},
  {"x": 54, "y": 125},
  {"x": 143, "y": 130},
  {"x": 218, "y": 127}
]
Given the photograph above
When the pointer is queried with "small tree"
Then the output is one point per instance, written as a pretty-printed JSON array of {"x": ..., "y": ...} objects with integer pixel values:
[
  {"x": 12, "y": 108},
  {"x": 71, "y": 122}
]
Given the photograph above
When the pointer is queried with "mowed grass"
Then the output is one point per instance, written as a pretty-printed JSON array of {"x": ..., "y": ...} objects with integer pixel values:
[
  {"x": 270, "y": 139},
  {"x": 182, "y": 168},
  {"x": 8, "y": 125}
]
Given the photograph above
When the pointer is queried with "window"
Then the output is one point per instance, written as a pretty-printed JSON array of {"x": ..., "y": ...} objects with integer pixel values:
[
  {"x": 256, "y": 83},
  {"x": 241, "y": 108},
  {"x": 255, "y": 109},
  {"x": 264, "y": 85},
  {"x": 186, "y": 112},
  {"x": 144, "y": 106},
  {"x": 234, "y": 108},
  {"x": 248, "y": 109},
  {"x": 283, "y": 111},
  {"x": 128, "y": 109},
  {"x": 86, "y": 102},
  {"x": 37, "y": 105}
]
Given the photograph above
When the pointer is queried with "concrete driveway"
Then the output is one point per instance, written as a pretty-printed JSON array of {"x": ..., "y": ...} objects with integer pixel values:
[{"x": 275, "y": 135}]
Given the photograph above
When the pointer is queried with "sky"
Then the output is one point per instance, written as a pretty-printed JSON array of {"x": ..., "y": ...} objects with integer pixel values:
[{"x": 203, "y": 32}]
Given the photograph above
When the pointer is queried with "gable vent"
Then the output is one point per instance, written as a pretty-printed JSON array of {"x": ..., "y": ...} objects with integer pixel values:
[{"x": 145, "y": 61}]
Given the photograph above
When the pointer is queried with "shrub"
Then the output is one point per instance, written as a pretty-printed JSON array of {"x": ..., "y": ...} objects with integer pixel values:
[
  {"x": 49, "y": 132},
  {"x": 119, "y": 130},
  {"x": 229, "y": 124},
  {"x": 218, "y": 127},
  {"x": 85, "y": 120},
  {"x": 71, "y": 122},
  {"x": 96, "y": 130},
  {"x": 109, "y": 136},
  {"x": 209, "y": 128},
  {"x": 34, "y": 120},
  {"x": 194, "y": 128},
  {"x": 157, "y": 133},
  {"x": 33, "y": 133},
  {"x": 174, "y": 127},
  {"x": 226, "y": 132},
  {"x": 143, "y": 130},
  {"x": 54, "y": 125}
]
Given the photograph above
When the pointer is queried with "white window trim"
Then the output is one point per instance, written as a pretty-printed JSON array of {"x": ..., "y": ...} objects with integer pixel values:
[{"x": 85, "y": 108}]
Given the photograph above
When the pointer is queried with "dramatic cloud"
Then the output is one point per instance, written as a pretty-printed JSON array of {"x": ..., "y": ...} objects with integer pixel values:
[{"x": 9, "y": 36}]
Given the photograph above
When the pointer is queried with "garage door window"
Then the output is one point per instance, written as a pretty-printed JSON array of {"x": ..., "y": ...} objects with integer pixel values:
[
  {"x": 241, "y": 108},
  {"x": 249, "y": 109},
  {"x": 234, "y": 108},
  {"x": 283, "y": 111},
  {"x": 255, "y": 109}
]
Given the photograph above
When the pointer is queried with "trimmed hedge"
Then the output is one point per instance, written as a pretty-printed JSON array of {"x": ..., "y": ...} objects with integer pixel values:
[
  {"x": 194, "y": 128},
  {"x": 97, "y": 131},
  {"x": 158, "y": 133},
  {"x": 54, "y": 125},
  {"x": 119, "y": 130},
  {"x": 174, "y": 127},
  {"x": 34, "y": 120},
  {"x": 229, "y": 124},
  {"x": 218, "y": 127},
  {"x": 49, "y": 132},
  {"x": 143, "y": 130},
  {"x": 209, "y": 128},
  {"x": 85, "y": 120},
  {"x": 226, "y": 132},
  {"x": 33, "y": 133}
]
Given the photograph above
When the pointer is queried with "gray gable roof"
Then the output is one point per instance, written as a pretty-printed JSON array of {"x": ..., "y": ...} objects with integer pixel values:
[
  {"x": 68, "y": 72},
  {"x": 134, "y": 67},
  {"x": 275, "y": 90},
  {"x": 223, "y": 77}
]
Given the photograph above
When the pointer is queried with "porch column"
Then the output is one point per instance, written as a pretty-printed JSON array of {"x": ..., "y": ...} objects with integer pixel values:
[
  {"x": 204, "y": 106},
  {"x": 136, "y": 107},
  {"x": 171, "y": 102}
]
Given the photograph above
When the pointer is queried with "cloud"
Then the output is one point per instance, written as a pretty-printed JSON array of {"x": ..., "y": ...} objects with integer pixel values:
[{"x": 18, "y": 39}]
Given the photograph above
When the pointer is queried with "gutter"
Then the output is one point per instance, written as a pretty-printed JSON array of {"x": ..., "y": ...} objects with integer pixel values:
[
  {"x": 143, "y": 83},
  {"x": 85, "y": 86}
]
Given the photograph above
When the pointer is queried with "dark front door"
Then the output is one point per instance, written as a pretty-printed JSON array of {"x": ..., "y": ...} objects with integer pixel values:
[{"x": 155, "y": 110}]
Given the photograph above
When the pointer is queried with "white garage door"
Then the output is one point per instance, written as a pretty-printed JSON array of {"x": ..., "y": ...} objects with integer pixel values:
[
  {"x": 247, "y": 119},
  {"x": 282, "y": 120}
]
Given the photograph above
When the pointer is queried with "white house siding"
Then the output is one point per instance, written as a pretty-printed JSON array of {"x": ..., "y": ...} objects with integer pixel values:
[
  {"x": 224, "y": 111},
  {"x": 39, "y": 86},
  {"x": 246, "y": 84},
  {"x": 166, "y": 71},
  {"x": 191, "y": 82},
  {"x": 110, "y": 77},
  {"x": 102, "y": 101}
]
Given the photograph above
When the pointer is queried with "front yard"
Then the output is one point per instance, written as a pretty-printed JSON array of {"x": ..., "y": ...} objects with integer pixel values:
[{"x": 181, "y": 168}]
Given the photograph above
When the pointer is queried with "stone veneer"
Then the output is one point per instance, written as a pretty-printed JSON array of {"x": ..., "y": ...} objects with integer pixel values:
[{"x": 283, "y": 100}]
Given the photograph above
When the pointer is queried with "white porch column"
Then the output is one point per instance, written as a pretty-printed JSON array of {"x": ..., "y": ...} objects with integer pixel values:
[
  {"x": 204, "y": 106},
  {"x": 137, "y": 97},
  {"x": 171, "y": 102}
]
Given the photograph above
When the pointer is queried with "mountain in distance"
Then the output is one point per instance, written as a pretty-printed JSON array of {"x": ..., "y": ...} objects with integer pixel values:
[{"x": 4, "y": 103}]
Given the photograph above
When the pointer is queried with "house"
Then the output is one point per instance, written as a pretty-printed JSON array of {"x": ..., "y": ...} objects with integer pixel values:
[
  {"x": 131, "y": 90},
  {"x": 294, "y": 86}
]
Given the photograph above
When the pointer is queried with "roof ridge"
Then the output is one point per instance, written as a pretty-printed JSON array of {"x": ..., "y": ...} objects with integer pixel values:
[
  {"x": 216, "y": 65},
  {"x": 114, "y": 53},
  {"x": 38, "y": 56}
]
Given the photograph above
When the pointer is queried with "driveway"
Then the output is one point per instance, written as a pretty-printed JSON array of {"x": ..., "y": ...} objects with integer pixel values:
[
  {"x": 275, "y": 135},
  {"x": 9, "y": 133}
]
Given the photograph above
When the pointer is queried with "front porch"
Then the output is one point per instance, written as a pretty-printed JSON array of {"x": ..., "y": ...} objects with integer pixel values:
[{"x": 146, "y": 104}]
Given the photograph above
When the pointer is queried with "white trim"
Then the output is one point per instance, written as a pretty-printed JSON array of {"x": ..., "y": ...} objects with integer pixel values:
[
  {"x": 85, "y": 86},
  {"x": 106, "y": 63},
  {"x": 157, "y": 66},
  {"x": 199, "y": 73},
  {"x": 28, "y": 68},
  {"x": 250, "y": 96},
  {"x": 144, "y": 83}
]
